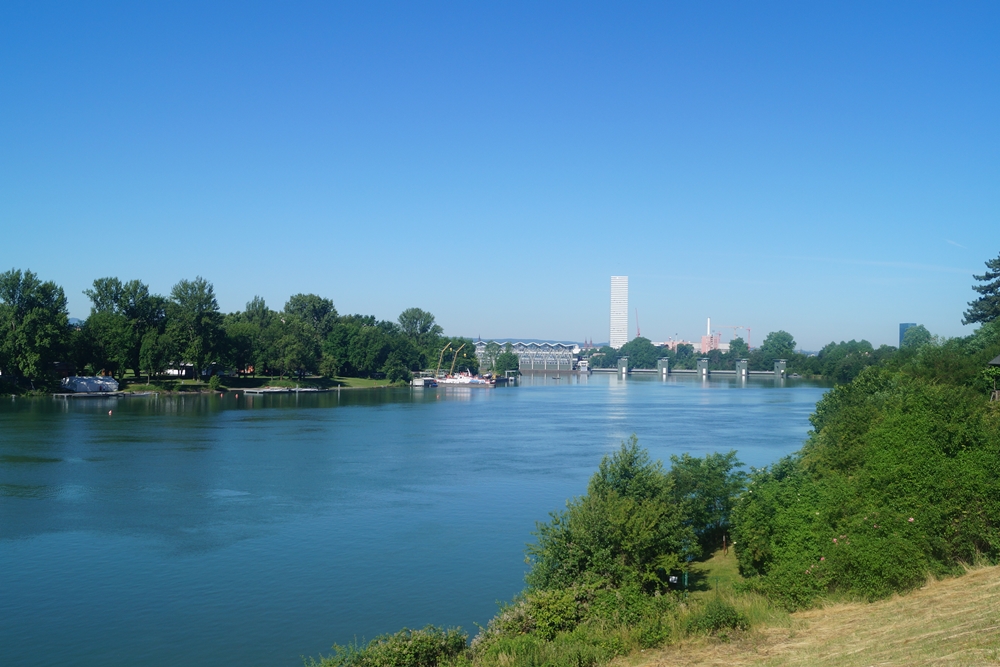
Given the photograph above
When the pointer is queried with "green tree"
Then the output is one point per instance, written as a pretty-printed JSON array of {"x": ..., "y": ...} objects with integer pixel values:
[
  {"x": 194, "y": 323},
  {"x": 491, "y": 351},
  {"x": 156, "y": 352},
  {"x": 296, "y": 347},
  {"x": 738, "y": 349},
  {"x": 917, "y": 337},
  {"x": 121, "y": 314},
  {"x": 506, "y": 361},
  {"x": 684, "y": 356},
  {"x": 708, "y": 488},
  {"x": 368, "y": 351},
  {"x": 34, "y": 324},
  {"x": 987, "y": 307},
  {"x": 315, "y": 311},
  {"x": 605, "y": 357},
  {"x": 778, "y": 345},
  {"x": 627, "y": 530},
  {"x": 641, "y": 353},
  {"x": 417, "y": 323},
  {"x": 111, "y": 338}
]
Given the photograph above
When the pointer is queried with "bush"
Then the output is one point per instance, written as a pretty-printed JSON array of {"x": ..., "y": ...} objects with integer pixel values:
[
  {"x": 898, "y": 479},
  {"x": 716, "y": 617},
  {"x": 407, "y": 648},
  {"x": 214, "y": 383},
  {"x": 627, "y": 530}
]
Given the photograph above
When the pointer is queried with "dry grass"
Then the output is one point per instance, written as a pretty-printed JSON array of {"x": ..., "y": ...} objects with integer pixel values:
[{"x": 948, "y": 623}]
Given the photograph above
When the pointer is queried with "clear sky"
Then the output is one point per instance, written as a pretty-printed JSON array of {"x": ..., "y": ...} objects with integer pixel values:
[{"x": 831, "y": 170}]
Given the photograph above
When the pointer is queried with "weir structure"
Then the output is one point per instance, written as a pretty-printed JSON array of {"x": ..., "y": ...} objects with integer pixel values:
[{"x": 741, "y": 369}]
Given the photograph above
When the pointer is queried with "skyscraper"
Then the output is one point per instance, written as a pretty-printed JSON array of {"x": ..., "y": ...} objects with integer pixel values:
[
  {"x": 619, "y": 311},
  {"x": 903, "y": 326}
]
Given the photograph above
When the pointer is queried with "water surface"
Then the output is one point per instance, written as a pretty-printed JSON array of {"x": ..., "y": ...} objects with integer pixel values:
[{"x": 208, "y": 530}]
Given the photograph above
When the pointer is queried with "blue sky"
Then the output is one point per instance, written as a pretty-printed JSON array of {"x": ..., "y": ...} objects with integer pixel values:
[{"x": 831, "y": 170}]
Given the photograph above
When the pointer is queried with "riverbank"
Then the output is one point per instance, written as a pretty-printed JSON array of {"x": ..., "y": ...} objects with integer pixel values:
[
  {"x": 170, "y": 386},
  {"x": 954, "y": 621}
]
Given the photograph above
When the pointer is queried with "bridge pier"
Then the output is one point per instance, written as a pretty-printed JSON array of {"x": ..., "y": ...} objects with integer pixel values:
[{"x": 663, "y": 368}]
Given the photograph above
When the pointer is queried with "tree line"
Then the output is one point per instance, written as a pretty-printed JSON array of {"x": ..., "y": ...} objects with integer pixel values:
[
  {"x": 131, "y": 329},
  {"x": 840, "y": 362}
]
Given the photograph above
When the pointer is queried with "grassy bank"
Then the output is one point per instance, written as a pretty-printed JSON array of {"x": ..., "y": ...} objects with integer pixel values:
[
  {"x": 236, "y": 383},
  {"x": 954, "y": 621}
]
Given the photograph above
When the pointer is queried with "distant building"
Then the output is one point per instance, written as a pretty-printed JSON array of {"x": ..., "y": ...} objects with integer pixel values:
[
  {"x": 534, "y": 356},
  {"x": 903, "y": 326},
  {"x": 619, "y": 311},
  {"x": 712, "y": 341},
  {"x": 673, "y": 344}
]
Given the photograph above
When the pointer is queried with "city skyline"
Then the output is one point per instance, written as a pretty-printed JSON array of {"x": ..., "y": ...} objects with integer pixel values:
[{"x": 827, "y": 171}]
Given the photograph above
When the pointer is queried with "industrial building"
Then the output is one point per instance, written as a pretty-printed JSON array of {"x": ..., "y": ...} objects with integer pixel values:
[{"x": 533, "y": 356}]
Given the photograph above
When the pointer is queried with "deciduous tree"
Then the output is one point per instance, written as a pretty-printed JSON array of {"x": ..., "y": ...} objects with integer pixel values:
[
  {"x": 34, "y": 324},
  {"x": 195, "y": 323}
]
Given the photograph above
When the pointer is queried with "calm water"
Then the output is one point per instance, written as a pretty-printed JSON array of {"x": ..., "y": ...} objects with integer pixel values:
[{"x": 250, "y": 531}]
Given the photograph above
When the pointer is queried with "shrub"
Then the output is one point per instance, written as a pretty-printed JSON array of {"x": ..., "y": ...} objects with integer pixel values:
[
  {"x": 215, "y": 383},
  {"x": 627, "y": 530},
  {"x": 407, "y": 648},
  {"x": 716, "y": 617},
  {"x": 898, "y": 479}
]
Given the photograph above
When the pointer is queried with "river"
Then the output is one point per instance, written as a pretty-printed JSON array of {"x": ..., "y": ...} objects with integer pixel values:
[{"x": 237, "y": 530}]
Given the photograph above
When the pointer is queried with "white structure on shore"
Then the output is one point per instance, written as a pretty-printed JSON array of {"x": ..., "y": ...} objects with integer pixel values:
[{"x": 619, "y": 311}]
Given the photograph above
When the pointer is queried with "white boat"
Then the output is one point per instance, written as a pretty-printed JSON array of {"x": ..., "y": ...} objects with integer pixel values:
[{"x": 465, "y": 379}]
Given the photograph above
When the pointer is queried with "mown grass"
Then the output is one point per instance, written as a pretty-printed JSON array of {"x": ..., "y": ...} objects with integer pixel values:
[{"x": 955, "y": 621}]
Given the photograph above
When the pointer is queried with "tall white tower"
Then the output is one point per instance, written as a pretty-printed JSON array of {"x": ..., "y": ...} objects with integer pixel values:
[{"x": 619, "y": 311}]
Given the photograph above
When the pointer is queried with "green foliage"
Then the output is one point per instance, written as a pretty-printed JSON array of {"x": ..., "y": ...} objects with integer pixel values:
[
  {"x": 641, "y": 353},
  {"x": 778, "y": 345},
  {"x": 507, "y": 361},
  {"x": 987, "y": 307},
  {"x": 34, "y": 329},
  {"x": 215, "y": 383},
  {"x": 627, "y": 530},
  {"x": 195, "y": 323},
  {"x": 428, "y": 647},
  {"x": 707, "y": 488},
  {"x": 605, "y": 357},
  {"x": 900, "y": 478},
  {"x": 716, "y": 617},
  {"x": 314, "y": 311},
  {"x": 121, "y": 316},
  {"x": 916, "y": 337},
  {"x": 738, "y": 349},
  {"x": 419, "y": 324}
]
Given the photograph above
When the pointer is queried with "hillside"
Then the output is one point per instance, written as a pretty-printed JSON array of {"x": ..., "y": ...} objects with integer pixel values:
[{"x": 951, "y": 622}]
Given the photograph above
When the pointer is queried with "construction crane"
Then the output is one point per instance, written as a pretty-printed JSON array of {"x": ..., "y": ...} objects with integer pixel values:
[
  {"x": 454, "y": 359},
  {"x": 638, "y": 333},
  {"x": 739, "y": 326},
  {"x": 441, "y": 358}
]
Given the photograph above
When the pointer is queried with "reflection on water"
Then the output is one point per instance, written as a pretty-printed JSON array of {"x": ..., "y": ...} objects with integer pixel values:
[{"x": 250, "y": 530}]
